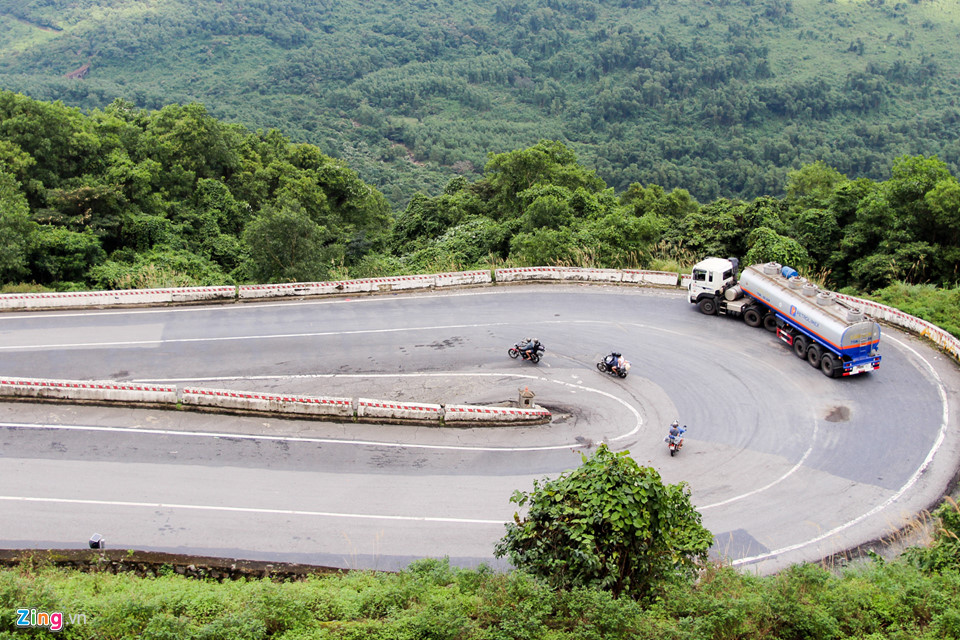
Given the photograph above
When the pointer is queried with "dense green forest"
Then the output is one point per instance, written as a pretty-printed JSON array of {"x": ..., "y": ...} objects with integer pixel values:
[
  {"x": 125, "y": 197},
  {"x": 721, "y": 98}
]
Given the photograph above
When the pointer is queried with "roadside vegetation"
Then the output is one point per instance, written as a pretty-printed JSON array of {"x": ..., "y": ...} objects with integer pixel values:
[{"x": 559, "y": 593}]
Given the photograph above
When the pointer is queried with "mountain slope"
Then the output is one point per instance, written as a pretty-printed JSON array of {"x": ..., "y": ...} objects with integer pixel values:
[{"x": 720, "y": 98}]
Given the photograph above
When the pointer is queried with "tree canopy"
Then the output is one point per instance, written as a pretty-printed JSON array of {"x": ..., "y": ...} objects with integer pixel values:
[
  {"x": 722, "y": 99},
  {"x": 609, "y": 524},
  {"x": 125, "y": 197},
  {"x": 86, "y": 196}
]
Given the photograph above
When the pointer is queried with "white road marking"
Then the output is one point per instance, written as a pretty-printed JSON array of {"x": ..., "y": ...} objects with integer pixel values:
[
  {"x": 280, "y": 336},
  {"x": 283, "y": 512},
  {"x": 789, "y": 473},
  {"x": 275, "y": 336}
]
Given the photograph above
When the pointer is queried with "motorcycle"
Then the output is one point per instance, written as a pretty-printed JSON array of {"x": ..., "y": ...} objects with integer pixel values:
[
  {"x": 533, "y": 355},
  {"x": 621, "y": 371},
  {"x": 675, "y": 442}
]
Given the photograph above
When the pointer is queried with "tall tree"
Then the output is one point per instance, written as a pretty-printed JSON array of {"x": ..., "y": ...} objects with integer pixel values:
[
  {"x": 285, "y": 245},
  {"x": 16, "y": 228},
  {"x": 548, "y": 162}
]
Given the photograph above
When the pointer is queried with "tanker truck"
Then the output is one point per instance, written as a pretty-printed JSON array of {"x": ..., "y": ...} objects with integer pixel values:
[{"x": 820, "y": 327}]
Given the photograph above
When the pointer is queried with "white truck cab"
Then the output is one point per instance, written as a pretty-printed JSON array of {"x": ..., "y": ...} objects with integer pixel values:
[{"x": 712, "y": 276}]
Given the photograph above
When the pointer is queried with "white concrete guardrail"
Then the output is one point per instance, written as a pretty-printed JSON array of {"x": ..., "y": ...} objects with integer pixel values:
[
  {"x": 123, "y": 298},
  {"x": 398, "y": 411},
  {"x": 229, "y": 400},
  {"x": 468, "y": 414},
  {"x": 633, "y": 276},
  {"x": 218, "y": 399},
  {"x": 87, "y": 391},
  {"x": 367, "y": 285},
  {"x": 133, "y": 297}
]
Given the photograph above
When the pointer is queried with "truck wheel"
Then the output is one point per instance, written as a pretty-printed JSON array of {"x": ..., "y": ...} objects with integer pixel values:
[
  {"x": 828, "y": 364},
  {"x": 814, "y": 355},
  {"x": 800, "y": 346},
  {"x": 752, "y": 317},
  {"x": 708, "y": 306},
  {"x": 770, "y": 322}
]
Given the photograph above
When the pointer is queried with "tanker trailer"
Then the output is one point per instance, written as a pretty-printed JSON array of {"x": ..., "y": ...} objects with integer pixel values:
[{"x": 819, "y": 327}]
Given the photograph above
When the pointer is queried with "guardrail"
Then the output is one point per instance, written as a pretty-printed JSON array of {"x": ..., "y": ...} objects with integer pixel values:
[
  {"x": 186, "y": 295},
  {"x": 87, "y": 391},
  {"x": 632, "y": 276},
  {"x": 213, "y": 399},
  {"x": 462, "y": 413},
  {"x": 129, "y": 297},
  {"x": 944, "y": 340},
  {"x": 144, "y": 297},
  {"x": 330, "y": 408},
  {"x": 385, "y": 409}
]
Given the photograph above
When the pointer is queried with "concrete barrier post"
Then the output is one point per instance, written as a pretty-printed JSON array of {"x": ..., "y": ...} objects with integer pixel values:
[
  {"x": 88, "y": 391},
  {"x": 320, "y": 406},
  {"x": 465, "y": 415}
]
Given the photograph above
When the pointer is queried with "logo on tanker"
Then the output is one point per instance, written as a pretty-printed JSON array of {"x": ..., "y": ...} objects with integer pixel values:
[{"x": 797, "y": 313}]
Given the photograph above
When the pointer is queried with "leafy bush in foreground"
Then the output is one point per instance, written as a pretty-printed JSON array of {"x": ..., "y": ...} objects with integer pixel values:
[{"x": 609, "y": 524}]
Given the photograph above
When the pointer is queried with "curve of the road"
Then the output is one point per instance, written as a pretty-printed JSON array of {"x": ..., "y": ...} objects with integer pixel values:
[{"x": 785, "y": 464}]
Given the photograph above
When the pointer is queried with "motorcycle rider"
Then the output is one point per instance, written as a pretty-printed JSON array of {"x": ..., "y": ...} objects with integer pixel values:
[
  {"x": 676, "y": 431},
  {"x": 614, "y": 361},
  {"x": 528, "y": 346}
]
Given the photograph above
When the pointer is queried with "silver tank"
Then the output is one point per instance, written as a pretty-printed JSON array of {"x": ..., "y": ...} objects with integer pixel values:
[{"x": 817, "y": 311}]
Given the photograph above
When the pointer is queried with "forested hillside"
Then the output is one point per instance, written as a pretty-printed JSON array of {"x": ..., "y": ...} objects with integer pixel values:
[
  {"x": 720, "y": 98},
  {"x": 130, "y": 198},
  {"x": 125, "y": 198}
]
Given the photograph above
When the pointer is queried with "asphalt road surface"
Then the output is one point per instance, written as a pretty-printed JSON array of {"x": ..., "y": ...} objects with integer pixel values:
[{"x": 785, "y": 464}]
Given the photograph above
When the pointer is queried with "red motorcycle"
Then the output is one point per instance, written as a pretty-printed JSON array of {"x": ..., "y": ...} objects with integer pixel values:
[{"x": 533, "y": 354}]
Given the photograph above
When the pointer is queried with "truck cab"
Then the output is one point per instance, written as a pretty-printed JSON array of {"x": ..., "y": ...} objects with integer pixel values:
[{"x": 711, "y": 278}]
